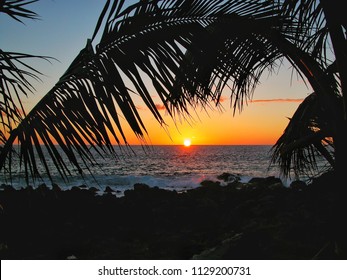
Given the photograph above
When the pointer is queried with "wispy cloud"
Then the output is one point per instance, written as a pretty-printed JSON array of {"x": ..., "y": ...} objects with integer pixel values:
[
  {"x": 140, "y": 108},
  {"x": 160, "y": 106},
  {"x": 294, "y": 100},
  {"x": 223, "y": 99},
  {"x": 144, "y": 108}
]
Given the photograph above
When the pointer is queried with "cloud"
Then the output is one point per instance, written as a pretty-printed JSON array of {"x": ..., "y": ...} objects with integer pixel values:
[
  {"x": 223, "y": 99},
  {"x": 144, "y": 108},
  {"x": 294, "y": 100},
  {"x": 140, "y": 108},
  {"x": 160, "y": 106}
]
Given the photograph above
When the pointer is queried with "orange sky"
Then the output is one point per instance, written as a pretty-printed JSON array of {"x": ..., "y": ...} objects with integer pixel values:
[{"x": 261, "y": 122}]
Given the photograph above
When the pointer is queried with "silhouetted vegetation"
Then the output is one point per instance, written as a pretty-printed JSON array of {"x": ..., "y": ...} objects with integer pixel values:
[
  {"x": 191, "y": 51},
  {"x": 166, "y": 41}
]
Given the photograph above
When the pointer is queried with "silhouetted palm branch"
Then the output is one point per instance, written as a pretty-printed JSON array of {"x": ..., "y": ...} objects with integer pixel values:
[
  {"x": 189, "y": 50},
  {"x": 307, "y": 138},
  {"x": 15, "y": 73},
  {"x": 243, "y": 53},
  {"x": 318, "y": 125},
  {"x": 84, "y": 107},
  {"x": 16, "y": 10},
  {"x": 15, "y": 82}
]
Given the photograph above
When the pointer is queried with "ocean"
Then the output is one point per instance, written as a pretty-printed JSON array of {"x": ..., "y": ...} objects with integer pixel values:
[{"x": 170, "y": 167}]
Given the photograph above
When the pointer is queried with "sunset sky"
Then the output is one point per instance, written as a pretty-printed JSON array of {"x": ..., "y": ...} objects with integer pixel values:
[{"x": 62, "y": 32}]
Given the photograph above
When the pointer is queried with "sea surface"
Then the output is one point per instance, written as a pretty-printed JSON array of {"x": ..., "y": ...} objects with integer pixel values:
[{"x": 169, "y": 167}]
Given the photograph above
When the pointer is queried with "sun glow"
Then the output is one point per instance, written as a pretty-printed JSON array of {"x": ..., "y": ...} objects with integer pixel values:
[{"x": 187, "y": 142}]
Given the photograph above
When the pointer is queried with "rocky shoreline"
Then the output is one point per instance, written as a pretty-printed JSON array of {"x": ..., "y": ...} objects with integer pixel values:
[{"x": 261, "y": 219}]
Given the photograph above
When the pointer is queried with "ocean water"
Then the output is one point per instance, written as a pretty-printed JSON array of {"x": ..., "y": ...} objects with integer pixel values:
[{"x": 169, "y": 167}]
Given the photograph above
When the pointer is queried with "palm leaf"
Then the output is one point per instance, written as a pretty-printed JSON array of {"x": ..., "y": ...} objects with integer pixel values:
[
  {"x": 15, "y": 9},
  {"x": 16, "y": 76},
  {"x": 307, "y": 136},
  {"x": 189, "y": 50},
  {"x": 304, "y": 45},
  {"x": 84, "y": 107}
]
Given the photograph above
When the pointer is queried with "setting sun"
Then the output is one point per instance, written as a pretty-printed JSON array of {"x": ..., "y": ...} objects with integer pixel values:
[{"x": 187, "y": 142}]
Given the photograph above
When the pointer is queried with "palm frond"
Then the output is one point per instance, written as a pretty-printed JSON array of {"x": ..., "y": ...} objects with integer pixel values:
[
  {"x": 241, "y": 51},
  {"x": 84, "y": 107},
  {"x": 190, "y": 51},
  {"x": 15, "y": 9},
  {"x": 16, "y": 77},
  {"x": 307, "y": 137}
]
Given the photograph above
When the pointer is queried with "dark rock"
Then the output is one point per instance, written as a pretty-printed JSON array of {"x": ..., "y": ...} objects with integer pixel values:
[
  {"x": 93, "y": 189},
  {"x": 75, "y": 189},
  {"x": 8, "y": 188},
  {"x": 28, "y": 189},
  {"x": 265, "y": 182},
  {"x": 210, "y": 184},
  {"x": 229, "y": 178},
  {"x": 220, "y": 251},
  {"x": 326, "y": 180},
  {"x": 128, "y": 193},
  {"x": 153, "y": 223},
  {"x": 298, "y": 185},
  {"x": 43, "y": 189},
  {"x": 276, "y": 186},
  {"x": 108, "y": 190},
  {"x": 4, "y": 186},
  {"x": 235, "y": 185},
  {"x": 56, "y": 188},
  {"x": 141, "y": 187}
]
